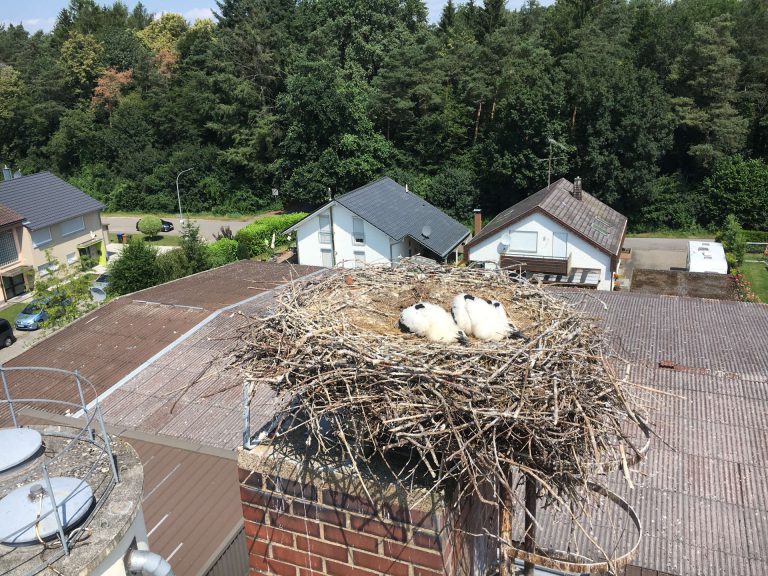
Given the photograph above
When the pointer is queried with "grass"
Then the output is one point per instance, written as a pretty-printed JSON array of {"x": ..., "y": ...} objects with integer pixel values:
[
  {"x": 193, "y": 215},
  {"x": 757, "y": 274},
  {"x": 162, "y": 240},
  {"x": 10, "y": 312}
]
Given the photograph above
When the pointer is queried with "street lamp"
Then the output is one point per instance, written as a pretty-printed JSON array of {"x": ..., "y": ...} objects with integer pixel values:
[{"x": 181, "y": 216}]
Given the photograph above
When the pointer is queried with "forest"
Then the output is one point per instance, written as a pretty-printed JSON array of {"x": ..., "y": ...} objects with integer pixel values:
[{"x": 661, "y": 107}]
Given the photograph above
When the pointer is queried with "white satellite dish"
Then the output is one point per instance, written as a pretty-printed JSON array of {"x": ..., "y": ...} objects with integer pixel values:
[{"x": 98, "y": 294}]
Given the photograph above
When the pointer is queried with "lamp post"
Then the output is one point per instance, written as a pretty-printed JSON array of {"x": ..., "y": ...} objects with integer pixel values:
[{"x": 178, "y": 195}]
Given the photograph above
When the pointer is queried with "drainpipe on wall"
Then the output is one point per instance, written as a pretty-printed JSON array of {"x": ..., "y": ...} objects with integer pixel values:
[{"x": 147, "y": 563}]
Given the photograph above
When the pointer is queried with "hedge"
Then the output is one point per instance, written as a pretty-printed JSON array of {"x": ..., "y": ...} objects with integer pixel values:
[
  {"x": 257, "y": 236},
  {"x": 755, "y": 236},
  {"x": 222, "y": 251}
]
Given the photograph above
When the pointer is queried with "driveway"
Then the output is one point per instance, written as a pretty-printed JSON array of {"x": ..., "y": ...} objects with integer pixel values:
[
  {"x": 207, "y": 227},
  {"x": 24, "y": 340}
]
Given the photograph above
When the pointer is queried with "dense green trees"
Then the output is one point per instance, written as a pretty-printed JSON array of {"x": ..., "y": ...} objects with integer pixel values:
[{"x": 662, "y": 106}]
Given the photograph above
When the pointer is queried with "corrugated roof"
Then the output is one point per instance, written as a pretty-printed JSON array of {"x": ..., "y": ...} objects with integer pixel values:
[
  {"x": 589, "y": 217},
  {"x": 8, "y": 216},
  {"x": 399, "y": 213},
  {"x": 44, "y": 199}
]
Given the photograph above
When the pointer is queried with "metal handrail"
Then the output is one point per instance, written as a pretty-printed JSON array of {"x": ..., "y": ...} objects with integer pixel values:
[{"x": 91, "y": 419}]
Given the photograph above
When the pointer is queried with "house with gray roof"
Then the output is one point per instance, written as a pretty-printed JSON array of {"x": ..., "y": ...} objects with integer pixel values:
[
  {"x": 377, "y": 223},
  {"x": 57, "y": 218},
  {"x": 559, "y": 235}
]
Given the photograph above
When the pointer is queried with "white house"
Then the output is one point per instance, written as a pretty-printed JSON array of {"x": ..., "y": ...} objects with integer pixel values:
[
  {"x": 560, "y": 235},
  {"x": 377, "y": 223}
]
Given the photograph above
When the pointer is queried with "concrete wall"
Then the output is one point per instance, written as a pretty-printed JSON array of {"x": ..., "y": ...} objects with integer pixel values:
[
  {"x": 300, "y": 520},
  {"x": 582, "y": 254},
  {"x": 60, "y": 245},
  {"x": 376, "y": 247}
]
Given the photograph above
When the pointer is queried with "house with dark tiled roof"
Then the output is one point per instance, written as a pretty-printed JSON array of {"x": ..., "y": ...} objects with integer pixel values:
[
  {"x": 56, "y": 218},
  {"x": 376, "y": 223},
  {"x": 15, "y": 280},
  {"x": 559, "y": 235}
]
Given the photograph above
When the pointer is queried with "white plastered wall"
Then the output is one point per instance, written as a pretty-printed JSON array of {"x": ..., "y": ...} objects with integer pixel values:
[{"x": 582, "y": 254}]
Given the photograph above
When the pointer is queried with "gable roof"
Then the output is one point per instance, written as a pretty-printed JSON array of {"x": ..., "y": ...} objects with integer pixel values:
[
  {"x": 400, "y": 213},
  {"x": 44, "y": 199},
  {"x": 8, "y": 216},
  {"x": 590, "y": 218}
]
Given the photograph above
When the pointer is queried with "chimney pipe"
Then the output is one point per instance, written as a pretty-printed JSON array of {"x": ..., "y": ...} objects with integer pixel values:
[
  {"x": 577, "y": 188},
  {"x": 478, "y": 220},
  {"x": 7, "y": 173}
]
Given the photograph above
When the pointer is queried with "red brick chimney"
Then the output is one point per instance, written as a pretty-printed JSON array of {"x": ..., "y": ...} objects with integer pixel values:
[
  {"x": 577, "y": 188},
  {"x": 478, "y": 220}
]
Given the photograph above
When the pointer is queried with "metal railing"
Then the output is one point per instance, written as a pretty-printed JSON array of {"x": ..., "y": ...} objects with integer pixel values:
[{"x": 92, "y": 431}]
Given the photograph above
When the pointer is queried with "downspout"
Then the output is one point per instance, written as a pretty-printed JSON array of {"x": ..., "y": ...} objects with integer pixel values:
[{"x": 147, "y": 563}]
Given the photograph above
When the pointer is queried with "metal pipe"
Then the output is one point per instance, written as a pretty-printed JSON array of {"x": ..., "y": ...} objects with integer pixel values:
[
  {"x": 178, "y": 195},
  {"x": 8, "y": 397},
  {"x": 147, "y": 563}
]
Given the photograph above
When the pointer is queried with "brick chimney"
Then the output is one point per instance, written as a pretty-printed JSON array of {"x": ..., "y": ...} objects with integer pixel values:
[
  {"x": 478, "y": 220},
  {"x": 577, "y": 188}
]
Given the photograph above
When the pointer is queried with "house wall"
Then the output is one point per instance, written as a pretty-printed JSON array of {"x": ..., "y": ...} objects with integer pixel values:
[
  {"x": 60, "y": 245},
  {"x": 18, "y": 235},
  {"x": 582, "y": 254},
  {"x": 301, "y": 520},
  {"x": 376, "y": 247}
]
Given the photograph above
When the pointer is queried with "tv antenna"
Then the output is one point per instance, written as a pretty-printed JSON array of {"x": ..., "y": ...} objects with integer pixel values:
[{"x": 552, "y": 142}]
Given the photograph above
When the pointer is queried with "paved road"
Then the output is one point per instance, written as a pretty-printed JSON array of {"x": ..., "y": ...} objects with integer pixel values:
[
  {"x": 207, "y": 227},
  {"x": 24, "y": 340}
]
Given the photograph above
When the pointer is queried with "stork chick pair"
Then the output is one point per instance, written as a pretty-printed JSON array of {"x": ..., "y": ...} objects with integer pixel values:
[{"x": 470, "y": 316}]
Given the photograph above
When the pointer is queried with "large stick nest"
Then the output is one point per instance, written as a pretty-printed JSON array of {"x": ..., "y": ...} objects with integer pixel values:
[{"x": 551, "y": 407}]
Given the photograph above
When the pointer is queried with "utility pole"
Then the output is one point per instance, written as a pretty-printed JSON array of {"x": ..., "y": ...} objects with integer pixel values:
[{"x": 178, "y": 195}]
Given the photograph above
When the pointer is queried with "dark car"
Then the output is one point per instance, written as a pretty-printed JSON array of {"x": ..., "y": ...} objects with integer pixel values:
[
  {"x": 165, "y": 226},
  {"x": 6, "y": 333}
]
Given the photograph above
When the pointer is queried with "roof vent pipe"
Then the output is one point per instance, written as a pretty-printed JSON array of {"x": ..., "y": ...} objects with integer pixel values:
[
  {"x": 147, "y": 563},
  {"x": 7, "y": 173},
  {"x": 577, "y": 188}
]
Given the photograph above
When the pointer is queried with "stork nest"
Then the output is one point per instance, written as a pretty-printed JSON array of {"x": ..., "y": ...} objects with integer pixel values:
[{"x": 551, "y": 407}]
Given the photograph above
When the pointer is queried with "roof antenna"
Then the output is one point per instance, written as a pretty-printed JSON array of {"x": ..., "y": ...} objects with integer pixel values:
[
  {"x": 406, "y": 186},
  {"x": 549, "y": 159}
]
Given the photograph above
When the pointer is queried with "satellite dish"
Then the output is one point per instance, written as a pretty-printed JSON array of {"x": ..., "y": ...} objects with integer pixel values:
[
  {"x": 98, "y": 294},
  {"x": 502, "y": 248},
  {"x": 426, "y": 231}
]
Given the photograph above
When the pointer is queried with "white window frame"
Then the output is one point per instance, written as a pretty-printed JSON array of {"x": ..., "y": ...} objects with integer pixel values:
[
  {"x": 514, "y": 245},
  {"x": 36, "y": 243},
  {"x": 79, "y": 223},
  {"x": 358, "y": 231},
  {"x": 359, "y": 256},
  {"x": 45, "y": 269},
  {"x": 72, "y": 258},
  {"x": 324, "y": 234}
]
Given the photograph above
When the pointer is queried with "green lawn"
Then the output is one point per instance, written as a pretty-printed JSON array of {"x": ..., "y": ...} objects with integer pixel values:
[
  {"x": 757, "y": 274},
  {"x": 10, "y": 312},
  {"x": 162, "y": 240}
]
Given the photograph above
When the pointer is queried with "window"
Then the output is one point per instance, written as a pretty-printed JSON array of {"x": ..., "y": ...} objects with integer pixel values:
[
  {"x": 359, "y": 257},
  {"x": 358, "y": 231},
  {"x": 327, "y": 258},
  {"x": 40, "y": 237},
  {"x": 72, "y": 258},
  {"x": 71, "y": 226},
  {"x": 523, "y": 242},
  {"x": 560, "y": 245},
  {"x": 8, "y": 253},
  {"x": 44, "y": 269},
  {"x": 325, "y": 229}
]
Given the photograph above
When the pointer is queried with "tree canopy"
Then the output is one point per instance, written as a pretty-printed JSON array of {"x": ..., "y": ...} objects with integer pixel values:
[{"x": 661, "y": 107}]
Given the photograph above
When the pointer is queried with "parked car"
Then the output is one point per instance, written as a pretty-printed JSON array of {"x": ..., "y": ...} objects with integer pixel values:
[
  {"x": 165, "y": 226},
  {"x": 40, "y": 310},
  {"x": 99, "y": 287},
  {"x": 6, "y": 333}
]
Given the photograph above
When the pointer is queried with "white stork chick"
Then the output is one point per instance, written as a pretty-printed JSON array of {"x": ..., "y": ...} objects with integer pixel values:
[
  {"x": 486, "y": 320},
  {"x": 459, "y": 313},
  {"x": 431, "y": 322},
  {"x": 512, "y": 331}
]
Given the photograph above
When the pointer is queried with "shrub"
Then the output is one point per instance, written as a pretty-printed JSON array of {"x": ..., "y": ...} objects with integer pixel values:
[
  {"x": 194, "y": 249},
  {"x": 221, "y": 252},
  {"x": 171, "y": 265},
  {"x": 732, "y": 237},
  {"x": 257, "y": 236},
  {"x": 150, "y": 225},
  {"x": 134, "y": 269}
]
